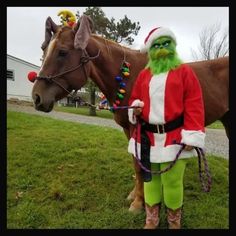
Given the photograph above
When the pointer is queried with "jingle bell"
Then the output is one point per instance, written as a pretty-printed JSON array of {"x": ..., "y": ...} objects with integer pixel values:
[
  {"x": 122, "y": 91},
  {"x": 126, "y": 74},
  {"x": 125, "y": 69},
  {"x": 118, "y": 78},
  {"x": 117, "y": 102},
  {"x": 122, "y": 84},
  {"x": 120, "y": 96},
  {"x": 127, "y": 64}
]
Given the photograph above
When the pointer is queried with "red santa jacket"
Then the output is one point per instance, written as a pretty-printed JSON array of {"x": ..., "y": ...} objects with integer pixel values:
[{"x": 166, "y": 96}]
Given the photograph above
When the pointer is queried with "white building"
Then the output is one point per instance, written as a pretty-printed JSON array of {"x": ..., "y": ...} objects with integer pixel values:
[{"x": 18, "y": 85}]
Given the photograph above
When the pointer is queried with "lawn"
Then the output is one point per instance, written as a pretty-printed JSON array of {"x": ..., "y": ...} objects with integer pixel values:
[
  {"x": 68, "y": 175},
  {"x": 107, "y": 114},
  {"x": 216, "y": 125},
  {"x": 85, "y": 111}
]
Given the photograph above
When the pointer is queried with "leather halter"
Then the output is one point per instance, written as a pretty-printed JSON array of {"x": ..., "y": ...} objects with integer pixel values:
[{"x": 85, "y": 58}]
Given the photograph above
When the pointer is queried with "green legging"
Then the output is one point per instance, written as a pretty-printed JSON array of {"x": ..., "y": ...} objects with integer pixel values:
[{"x": 170, "y": 182}]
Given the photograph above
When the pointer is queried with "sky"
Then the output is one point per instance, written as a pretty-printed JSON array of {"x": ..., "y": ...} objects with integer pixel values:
[{"x": 26, "y": 26}]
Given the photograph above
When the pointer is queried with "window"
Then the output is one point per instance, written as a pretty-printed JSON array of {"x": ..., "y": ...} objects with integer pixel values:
[{"x": 10, "y": 75}]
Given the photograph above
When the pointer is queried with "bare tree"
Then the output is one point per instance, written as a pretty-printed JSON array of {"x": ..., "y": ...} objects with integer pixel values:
[{"x": 213, "y": 43}]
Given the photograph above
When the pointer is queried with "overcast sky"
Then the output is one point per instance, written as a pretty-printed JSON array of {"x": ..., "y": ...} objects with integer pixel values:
[{"x": 26, "y": 26}]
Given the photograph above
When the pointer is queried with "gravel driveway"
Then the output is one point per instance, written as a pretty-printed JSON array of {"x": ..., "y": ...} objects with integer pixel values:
[{"x": 216, "y": 141}]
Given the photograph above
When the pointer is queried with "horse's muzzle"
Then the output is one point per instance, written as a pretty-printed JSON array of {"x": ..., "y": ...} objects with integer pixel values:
[{"x": 42, "y": 106}]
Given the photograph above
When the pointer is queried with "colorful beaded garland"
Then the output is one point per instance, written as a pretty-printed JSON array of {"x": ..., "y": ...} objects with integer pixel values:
[{"x": 125, "y": 72}]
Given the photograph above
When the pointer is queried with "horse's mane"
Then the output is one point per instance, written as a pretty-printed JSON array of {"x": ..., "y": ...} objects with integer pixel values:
[
  {"x": 101, "y": 39},
  {"x": 111, "y": 42}
]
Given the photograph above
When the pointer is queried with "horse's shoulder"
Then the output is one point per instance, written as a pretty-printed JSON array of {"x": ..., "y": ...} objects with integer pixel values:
[{"x": 185, "y": 67}]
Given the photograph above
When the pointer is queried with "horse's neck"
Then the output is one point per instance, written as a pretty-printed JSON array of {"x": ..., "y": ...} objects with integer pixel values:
[{"x": 107, "y": 66}]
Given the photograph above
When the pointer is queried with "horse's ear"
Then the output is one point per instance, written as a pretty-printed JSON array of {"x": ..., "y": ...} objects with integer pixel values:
[
  {"x": 83, "y": 31},
  {"x": 50, "y": 27}
]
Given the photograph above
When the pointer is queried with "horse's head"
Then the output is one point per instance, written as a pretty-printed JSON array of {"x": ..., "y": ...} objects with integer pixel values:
[{"x": 64, "y": 65}]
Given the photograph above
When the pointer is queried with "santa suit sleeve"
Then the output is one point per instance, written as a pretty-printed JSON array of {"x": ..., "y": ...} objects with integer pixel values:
[
  {"x": 193, "y": 132},
  {"x": 134, "y": 99}
]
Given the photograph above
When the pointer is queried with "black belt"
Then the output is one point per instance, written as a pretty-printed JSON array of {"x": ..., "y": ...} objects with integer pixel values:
[{"x": 174, "y": 124}]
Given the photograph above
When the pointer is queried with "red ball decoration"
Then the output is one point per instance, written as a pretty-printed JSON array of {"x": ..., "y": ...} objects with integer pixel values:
[
  {"x": 32, "y": 76},
  {"x": 71, "y": 23}
]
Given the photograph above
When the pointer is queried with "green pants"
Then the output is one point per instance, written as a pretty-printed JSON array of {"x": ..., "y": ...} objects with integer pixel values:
[{"x": 168, "y": 185}]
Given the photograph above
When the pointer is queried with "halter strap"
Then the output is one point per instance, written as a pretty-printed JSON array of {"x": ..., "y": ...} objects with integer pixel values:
[{"x": 85, "y": 58}]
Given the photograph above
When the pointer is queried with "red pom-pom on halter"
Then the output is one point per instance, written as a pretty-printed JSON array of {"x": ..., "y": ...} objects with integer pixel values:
[{"x": 32, "y": 76}]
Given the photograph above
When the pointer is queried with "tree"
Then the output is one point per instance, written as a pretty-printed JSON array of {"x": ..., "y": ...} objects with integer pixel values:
[
  {"x": 122, "y": 31},
  {"x": 213, "y": 43}
]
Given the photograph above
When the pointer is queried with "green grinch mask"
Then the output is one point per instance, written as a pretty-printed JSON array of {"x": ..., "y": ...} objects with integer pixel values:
[{"x": 162, "y": 55}]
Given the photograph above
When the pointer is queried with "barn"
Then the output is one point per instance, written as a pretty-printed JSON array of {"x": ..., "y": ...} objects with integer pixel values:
[{"x": 18, "y": 86}]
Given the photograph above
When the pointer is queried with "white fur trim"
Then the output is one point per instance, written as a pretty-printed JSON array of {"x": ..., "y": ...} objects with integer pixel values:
[
  {"x": 193, "y": 138},
  {"x": 160, "y": 154},
  {"x": 157, "y": 102},
  {"x": 156, "y": 34},
  {"x": 132, "y": 117}
]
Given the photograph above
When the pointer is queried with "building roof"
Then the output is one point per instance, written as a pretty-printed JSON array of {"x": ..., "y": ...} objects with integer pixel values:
[{"x": 22, "y": 61}]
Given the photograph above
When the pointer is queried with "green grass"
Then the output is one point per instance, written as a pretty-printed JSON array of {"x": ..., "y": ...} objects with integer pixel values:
[
  {"x": 216, "y": 125},
  {"x": 107, "y": 114},
  {"x": 68, "y": 175},
  {"x": 85, "y": 111}
]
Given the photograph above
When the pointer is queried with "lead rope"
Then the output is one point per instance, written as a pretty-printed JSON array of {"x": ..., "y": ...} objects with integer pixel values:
[
  {"x": 206, "y": 186},
  {"x": 111, "y": 108},
  {"x": 204, "y": 176}
]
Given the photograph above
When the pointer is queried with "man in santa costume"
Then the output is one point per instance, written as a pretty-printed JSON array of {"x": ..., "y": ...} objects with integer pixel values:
[{"x": 170, "y": 112}]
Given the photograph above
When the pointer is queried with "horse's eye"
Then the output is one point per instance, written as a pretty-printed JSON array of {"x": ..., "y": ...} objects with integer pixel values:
[{"x": 62, "y": 53}]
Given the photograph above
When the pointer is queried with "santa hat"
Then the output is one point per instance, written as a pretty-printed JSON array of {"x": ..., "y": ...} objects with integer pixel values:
[{"x": 154, "y": 34}]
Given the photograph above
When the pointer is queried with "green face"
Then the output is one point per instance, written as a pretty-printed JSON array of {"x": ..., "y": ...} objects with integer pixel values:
[{"x": 162, "y": 47}]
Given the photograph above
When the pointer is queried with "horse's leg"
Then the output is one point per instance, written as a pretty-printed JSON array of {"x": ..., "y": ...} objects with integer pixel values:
[
  {"x": 131, "y": 195},
  {"x": 138, "y": 202},
  {"x": 136, "y": 195},
  {"x": 225, "y": 122}
]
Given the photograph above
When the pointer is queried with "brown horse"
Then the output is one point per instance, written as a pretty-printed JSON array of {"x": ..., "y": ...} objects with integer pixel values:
[{"x": 71, "y": 56}]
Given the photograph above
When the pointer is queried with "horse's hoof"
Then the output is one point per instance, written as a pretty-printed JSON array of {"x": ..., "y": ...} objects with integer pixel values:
[
  {"x": 131, "y": 197},
  {"x": 136, "y": 208}
]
